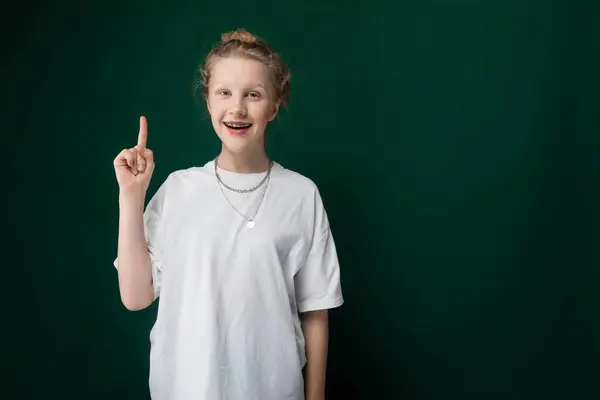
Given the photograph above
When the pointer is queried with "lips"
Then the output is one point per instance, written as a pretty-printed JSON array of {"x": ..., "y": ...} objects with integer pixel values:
[{"x": 237, "y": 127}]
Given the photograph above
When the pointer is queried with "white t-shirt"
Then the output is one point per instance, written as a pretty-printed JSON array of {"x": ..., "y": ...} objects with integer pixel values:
[{"x": 228, "y": 326}]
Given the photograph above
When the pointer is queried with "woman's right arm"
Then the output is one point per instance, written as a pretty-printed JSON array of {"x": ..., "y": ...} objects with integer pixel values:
[
  {"x": 134, "y": 266},
  {"x": 133, "y": 168}
]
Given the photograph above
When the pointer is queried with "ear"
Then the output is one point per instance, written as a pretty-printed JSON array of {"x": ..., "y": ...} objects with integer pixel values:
[{"x": 277, "y": 105}]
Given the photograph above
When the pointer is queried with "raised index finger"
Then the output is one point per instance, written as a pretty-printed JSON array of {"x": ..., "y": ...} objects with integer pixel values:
[{"x": 143, "y": 135}]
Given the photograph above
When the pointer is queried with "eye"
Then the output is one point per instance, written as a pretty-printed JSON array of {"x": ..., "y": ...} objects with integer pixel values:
[
  {"x": 254, "y": 95},
  {"x": 223, "y": 92}
]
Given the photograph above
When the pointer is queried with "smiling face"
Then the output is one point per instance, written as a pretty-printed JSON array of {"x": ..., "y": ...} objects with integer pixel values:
[{"x": 241, "y": 102}]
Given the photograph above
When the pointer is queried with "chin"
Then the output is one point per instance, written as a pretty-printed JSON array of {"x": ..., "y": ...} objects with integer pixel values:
[
  {"x": 234, "y": 144},
  {"x": 238, "y": 143}
]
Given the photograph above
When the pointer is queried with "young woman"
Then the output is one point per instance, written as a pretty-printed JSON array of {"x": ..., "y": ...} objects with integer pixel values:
[{"x": 239, "y": 250}]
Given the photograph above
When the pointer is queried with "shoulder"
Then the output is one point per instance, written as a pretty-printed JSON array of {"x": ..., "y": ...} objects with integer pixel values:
[
  {"x": 296, "y": 188},
  {"x": 293, "y": 181},
  {"x": 188, "y": 177},
  {"x": 182, "y": 181},
  {"x": 302, "y": 194}
]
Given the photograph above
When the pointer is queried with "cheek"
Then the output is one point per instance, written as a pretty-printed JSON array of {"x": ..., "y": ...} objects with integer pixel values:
[
  {"x": 263, "y": 113},
  {"x": 215, "y": 111}
]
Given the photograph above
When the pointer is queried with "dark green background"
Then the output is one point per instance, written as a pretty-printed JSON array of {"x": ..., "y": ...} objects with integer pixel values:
[{"x": 455, "y": 144}]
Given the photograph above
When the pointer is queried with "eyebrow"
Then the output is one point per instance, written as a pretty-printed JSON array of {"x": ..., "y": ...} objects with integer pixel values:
[{"x": 221, "y": 84}]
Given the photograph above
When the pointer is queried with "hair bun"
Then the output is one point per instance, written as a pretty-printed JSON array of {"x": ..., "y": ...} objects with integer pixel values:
[{"x": 241, "y": 35}]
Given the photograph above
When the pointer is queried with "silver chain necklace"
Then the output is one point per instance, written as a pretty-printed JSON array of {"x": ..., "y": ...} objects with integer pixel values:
[
  {"x": 252, "y": 189},
  {"x": 250, "y": 220}
]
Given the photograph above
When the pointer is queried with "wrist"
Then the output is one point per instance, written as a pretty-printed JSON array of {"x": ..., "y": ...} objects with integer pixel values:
[{"x": 131, "y": 199}]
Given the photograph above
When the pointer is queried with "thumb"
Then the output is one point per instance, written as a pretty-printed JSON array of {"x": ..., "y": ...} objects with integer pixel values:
[{"x": 149, "y": 156}]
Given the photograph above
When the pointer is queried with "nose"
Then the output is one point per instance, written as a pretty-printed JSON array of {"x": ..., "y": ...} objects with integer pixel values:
[{"x": 238, "y": 108}]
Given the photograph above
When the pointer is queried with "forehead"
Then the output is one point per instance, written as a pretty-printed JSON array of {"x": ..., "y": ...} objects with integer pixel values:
[{"x": 239, "y": 71}]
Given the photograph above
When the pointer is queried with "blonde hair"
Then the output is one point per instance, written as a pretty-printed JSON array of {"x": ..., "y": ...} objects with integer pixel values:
[{"x": 242, "y": 43}]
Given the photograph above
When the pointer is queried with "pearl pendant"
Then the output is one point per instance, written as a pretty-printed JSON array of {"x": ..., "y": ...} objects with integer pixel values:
[{"x": 251, "y": 224}]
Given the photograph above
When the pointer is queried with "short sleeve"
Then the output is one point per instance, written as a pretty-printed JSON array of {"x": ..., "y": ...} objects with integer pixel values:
[
  {"x": 317, "y": 282},
  {"x": 153, "y": 227}
]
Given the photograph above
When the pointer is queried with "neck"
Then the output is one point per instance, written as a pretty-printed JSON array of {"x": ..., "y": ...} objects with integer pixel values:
[{"x": 242, "y": 163}]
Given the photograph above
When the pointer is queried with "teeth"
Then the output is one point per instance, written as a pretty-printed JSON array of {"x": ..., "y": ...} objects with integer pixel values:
[{"x": 237, "y": 125}]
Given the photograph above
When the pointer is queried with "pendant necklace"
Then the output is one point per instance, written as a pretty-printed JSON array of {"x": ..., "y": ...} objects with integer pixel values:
[{"x": 265, "y": 181}]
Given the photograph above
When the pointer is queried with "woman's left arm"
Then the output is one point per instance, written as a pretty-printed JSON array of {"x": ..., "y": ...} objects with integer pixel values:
[{"x": 316, "y": 335}]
